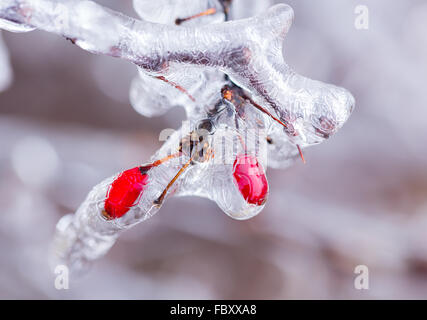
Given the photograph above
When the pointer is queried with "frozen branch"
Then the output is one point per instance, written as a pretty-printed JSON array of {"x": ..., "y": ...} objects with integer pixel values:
[
  {"x": 262, "y": 101},
  {"x": 249, "y": 51}
]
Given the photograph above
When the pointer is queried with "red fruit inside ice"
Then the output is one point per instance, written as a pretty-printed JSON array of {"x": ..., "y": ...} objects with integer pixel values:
[
  {"x": 125, "y": 191},
  {"x": 250, "y": 179}
]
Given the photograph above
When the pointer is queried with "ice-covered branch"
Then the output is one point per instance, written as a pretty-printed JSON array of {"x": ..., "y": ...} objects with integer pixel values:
[
  {"x": 249, "y": 51},
  {"x": 261, "y": 110}
]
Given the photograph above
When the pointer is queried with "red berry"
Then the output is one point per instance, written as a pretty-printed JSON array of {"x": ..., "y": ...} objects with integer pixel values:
[
  {"x": 250, "y": 179},
  {"x": 125, "y": 191}
]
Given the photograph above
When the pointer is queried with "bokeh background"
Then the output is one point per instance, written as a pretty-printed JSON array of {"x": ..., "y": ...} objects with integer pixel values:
[{"x": 66, "y": 123}]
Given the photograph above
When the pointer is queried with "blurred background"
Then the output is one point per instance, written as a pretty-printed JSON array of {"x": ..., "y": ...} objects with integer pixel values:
[{"x": 66, "y": 124}]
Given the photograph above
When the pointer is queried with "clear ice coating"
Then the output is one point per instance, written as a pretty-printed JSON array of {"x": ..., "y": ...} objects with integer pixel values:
[{"x": 241, "y": 99}]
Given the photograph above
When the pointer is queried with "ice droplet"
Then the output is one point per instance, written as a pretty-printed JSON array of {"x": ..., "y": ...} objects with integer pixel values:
[{"x": 5, "y": 69}]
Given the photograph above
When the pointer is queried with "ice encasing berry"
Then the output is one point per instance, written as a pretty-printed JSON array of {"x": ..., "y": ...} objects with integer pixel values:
[
  {"x": 250, "y": 178},
  {"x": 125, "y": 191}
]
